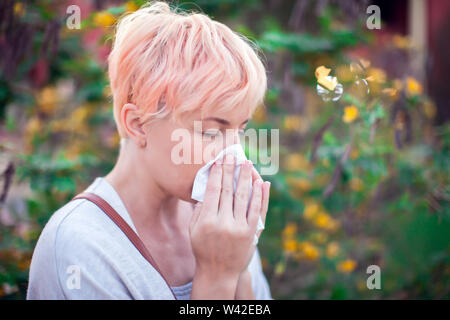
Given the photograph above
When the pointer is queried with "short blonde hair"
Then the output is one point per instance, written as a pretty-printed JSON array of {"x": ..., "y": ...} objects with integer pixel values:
[{"x": 173, "y": 62}]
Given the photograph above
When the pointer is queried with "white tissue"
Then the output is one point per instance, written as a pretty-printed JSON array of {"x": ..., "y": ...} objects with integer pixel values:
[{"x": 201, "y": 179}]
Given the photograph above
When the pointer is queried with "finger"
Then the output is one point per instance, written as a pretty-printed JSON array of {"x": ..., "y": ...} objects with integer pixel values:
[
  {"x": 265, "y": 202},
  {"x": 195, "y": 215},
  {"x": 255, "y": 205},
  {"x": 255, "y": 175},
  {"x": 241, "y": 195},
  {"x": 226, "y": 196},
  {"x": 213, "y": 188}
]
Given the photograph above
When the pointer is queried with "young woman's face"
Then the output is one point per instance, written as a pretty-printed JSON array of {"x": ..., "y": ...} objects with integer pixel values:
[{"x": 176, "y": 151}]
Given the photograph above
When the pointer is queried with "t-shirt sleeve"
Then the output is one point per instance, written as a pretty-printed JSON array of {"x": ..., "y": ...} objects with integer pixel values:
[
  {"x": 260, "y": 284},
  {"x": 85, "y": 269}
]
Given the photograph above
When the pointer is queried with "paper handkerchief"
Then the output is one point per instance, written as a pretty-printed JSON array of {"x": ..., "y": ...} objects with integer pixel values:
[{"x": 201, "y": 179}]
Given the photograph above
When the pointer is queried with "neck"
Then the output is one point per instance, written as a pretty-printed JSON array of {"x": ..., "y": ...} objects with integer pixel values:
[{"x": 149, "y": 206}]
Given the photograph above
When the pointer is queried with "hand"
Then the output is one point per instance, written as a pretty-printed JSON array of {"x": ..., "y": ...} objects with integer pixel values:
[
  {"x": 244, "y": 289},
  {"x": 264, "y": 208},
  {"x": 221, "y": 231}
]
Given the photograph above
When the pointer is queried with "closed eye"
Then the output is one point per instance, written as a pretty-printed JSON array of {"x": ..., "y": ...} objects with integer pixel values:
[
  {"x": 211, "y": 133},
  {"x": 215, "y": 133}
]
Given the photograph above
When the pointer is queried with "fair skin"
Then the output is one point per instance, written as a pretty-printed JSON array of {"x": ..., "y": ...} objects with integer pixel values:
[{"x": 213, "y": 241}]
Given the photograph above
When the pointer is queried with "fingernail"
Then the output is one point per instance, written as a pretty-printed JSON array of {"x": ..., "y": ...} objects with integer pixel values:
[
  {"x": 259, "y": 182},
  {"x": 267, "y": 184}
]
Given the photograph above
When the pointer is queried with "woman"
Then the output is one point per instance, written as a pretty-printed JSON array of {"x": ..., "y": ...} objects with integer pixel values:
[{"x": 167, "y": 71}]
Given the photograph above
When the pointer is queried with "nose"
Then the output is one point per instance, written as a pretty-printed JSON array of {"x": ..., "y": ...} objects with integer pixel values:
[{"x": 232, "y": 137}]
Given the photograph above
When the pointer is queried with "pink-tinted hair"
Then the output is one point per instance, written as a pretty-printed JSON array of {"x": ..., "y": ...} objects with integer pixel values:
[{"x": 173, "y": 62}]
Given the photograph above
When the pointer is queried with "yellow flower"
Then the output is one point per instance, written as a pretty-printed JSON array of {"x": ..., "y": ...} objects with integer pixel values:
[
  {"x": 290, "y": 229},
  {"x": 259, "y": 115},
  {"x": 113, "y": 140},
  {"x": 391, "y": 92},
  {"x": 24, "y": 264},
  {"x": 107, "y": 91},
  {"x": 323, "y": 78},
  {"x": 310, "y": 211},
  {"x": 47, "y": 99},
  {"x": 307, "y": 251},
  {"x": 350, "y": 114},
  {"x": 346, "y": 266},
  {"x": 19, "y": 9},
  {"x": 297, "y": 161},
  {"x": 322, "y": 179},
  {"x": 324, "y": 221},
  {"x": 104, "y": 19},
  {"x": 356, "y": 184},
  {"x": 344, "y": 73},
  {"x": 131, "y": 6},
  {"x": 73, "y": 150},
  {"x": 78, "y": 119},
  {"x": 33, "y": 126},
  {"x": 429, "y": 109},
  {"x": 354, "y": 154},
  {"x": 298, "y": 185},
  {"x": 280, "y": 267},
  {"x": 361, "y": 285},
  {"x": 290, "y": 245},
  {"x": 80, "y": 114},
  {"x": 326, "y": 162},
  {"x": 376, "y": 75},
  {"x": 413, "y": 87},
  {"x": 401, "y": 42},
  {"x": 59, "y": 125},
  {"x": 332, "y": 249},
  {"x": 295, "y": 123}
]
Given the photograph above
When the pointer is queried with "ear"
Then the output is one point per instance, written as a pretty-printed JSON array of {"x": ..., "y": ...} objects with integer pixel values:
[{"x": 130, "y": 118}]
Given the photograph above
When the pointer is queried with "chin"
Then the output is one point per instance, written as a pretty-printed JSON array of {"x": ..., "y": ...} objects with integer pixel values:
[
  {"x": 187, "y": 197},
  {"x": 190, "y": 200}
]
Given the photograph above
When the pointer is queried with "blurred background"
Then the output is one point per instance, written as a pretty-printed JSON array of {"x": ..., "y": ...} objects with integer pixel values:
[{"x": 364, "y": 174}]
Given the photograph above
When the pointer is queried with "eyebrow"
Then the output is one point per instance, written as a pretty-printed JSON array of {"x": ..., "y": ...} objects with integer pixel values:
[{"x": 222, "y": 121}]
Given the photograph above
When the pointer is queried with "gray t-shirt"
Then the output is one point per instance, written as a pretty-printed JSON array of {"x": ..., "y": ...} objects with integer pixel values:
[{"x": 82, "y": 254}]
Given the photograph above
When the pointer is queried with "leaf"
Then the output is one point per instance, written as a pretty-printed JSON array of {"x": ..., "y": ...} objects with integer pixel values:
[
  {"x": 275, "y": 40},
  {"x": 64, "y": 184},
  {"x": 330, "y": 139},
  {"x": 116, "y": 10},
  {"x": 376, "y": 113},
  {"x": 280, "y": 267},
  {"x": 352, "y": 100},
  {"x": 303, "y": 43}
]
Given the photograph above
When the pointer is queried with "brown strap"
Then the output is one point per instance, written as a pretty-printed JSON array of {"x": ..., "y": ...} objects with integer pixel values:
[{"x": 123, "y": 225}]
